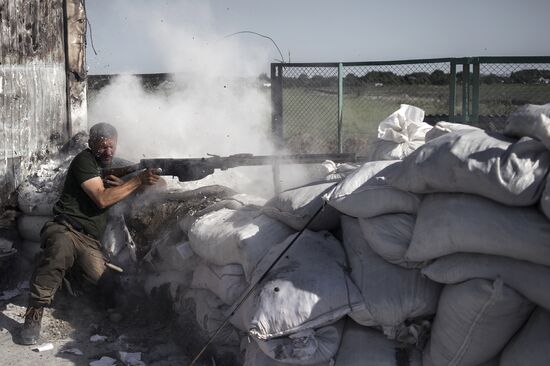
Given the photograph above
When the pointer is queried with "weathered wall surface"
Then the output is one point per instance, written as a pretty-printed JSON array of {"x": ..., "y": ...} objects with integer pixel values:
[{"x": 33, "y": 89}]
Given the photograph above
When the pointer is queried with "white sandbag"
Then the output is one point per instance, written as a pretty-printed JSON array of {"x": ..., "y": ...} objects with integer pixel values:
[
  {"x": 392, "y": 294},
  {"x": 236, "y": 202},
  {"x": 166, "y": 255},
  {"x": 389, "y": 236},
  {"x": 477, "y": 162},
  {"x": 531, "y": 346},
  {"x": 236, "y": 236},
  {"x": 529, "y": 279},
  {"x": 363, "y": 346},
  {"x": 29, "y": 227},
  {"x": 399, "y": 134},
  {"x": 227, "y": 282},
  {"x": 366, "y": 193},
  {"x": 530, "y": 120},
  {"x": 474, "y": 321},
  {"x": 453, "y": 223},
  {"x": 255, "y": 357},
  {"x": 342, "y": 171},
  {"x": 441, "y": 128},
  {"x": 308, "y": 347},
  {"x": 33, "y": 200},
  {"x": 297, "y": 206},
  {"x": 545, "y": 199},
  {"x": 209, "y": 313},
  {"x": 308, "y": 288}
]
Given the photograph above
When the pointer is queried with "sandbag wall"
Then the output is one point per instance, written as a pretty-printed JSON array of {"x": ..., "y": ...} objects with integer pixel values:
[
  {"x": 441, "y": 257},
  {"x": 444, "y": 255}
]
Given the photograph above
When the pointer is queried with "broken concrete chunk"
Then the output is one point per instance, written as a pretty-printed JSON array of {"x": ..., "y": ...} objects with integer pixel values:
[
  {"x": 104, "y": 361},
  {"x": 43, "y": 347},
  {"x": 98, "y": 338}
]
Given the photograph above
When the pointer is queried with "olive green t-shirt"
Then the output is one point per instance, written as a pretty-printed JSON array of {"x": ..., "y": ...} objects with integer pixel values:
[{"x": 75, "y": 202}]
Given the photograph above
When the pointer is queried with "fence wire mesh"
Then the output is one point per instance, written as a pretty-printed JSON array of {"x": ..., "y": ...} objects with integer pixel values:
[
  {"x": 504, "y": 87},
  {"x": 310, "y": 109},
  {"x": 325, "y": 106}
]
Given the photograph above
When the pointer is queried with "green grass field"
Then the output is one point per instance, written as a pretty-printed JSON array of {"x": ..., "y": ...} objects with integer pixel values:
[{"x": 310, "y": 115}]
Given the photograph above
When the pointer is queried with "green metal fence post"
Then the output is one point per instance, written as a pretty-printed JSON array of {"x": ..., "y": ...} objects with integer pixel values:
[
  {"x": 340, "y": 105},
  {"x": 465, "y": 92},
  {"x": 277, "y": 119},
  {"x": 475, "y": 91},
  {"x": 452, "y": 92}
]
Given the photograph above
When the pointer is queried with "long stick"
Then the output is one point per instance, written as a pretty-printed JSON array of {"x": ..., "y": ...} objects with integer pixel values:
[{"x": 255, "y": 285}]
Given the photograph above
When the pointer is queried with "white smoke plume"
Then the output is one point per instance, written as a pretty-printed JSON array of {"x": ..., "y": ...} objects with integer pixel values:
[{"x": 218, "y": 106}]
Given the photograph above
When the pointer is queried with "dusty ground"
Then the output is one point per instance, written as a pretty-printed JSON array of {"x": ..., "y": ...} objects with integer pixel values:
[
  {"x": 72, "y": 321},
  {"x": 148, "y": 328}
]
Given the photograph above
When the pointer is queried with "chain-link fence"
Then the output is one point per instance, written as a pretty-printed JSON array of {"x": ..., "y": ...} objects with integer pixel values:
[{"x": 336, "y": 107}]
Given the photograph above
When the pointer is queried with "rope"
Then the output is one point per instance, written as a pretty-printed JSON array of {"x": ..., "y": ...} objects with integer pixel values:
[{"x": 254, "y": 286}]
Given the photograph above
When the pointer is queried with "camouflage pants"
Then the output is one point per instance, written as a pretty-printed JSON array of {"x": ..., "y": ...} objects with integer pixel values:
[{"x": 64, "y": 247}]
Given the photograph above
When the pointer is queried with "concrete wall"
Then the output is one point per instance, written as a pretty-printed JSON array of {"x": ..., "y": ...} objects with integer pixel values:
[{"x": 33, "y": 86}]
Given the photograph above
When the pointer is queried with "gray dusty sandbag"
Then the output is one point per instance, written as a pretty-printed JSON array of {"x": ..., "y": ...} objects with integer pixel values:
[
  {"x": 295, "y": 207},
  {"x": 478, "y": 162},
  {"x": 474, "y": 321},
  {"x": 529, "y": 279},
  {"x": 530, "y": 120},
  {"x": 308, "y": 347},
  {"x": 442, "y": 128},
  {"x": 236, "y": 236},
  {"x": 531, "y": 345},
  {"x": 451, "y": 223},
  {"x": 172, "y": 280},
  {"x": 227, "y": 282},
  {"x": 308, "y": 288},
  {"x": 234, "y": 202},
  {"x": 209, "y": 313},
  {"x": 254, "y": 356},
  {"x": 545, "y": 199},
  {"x": 389, "y": 236},
  {"x": 364, "y": 346},
  {"x": 392, "y": 294},
  {"x": 366, "y": 193},
  {"x": 29, "y": 227},
  {"x": 33, "y": 200}
]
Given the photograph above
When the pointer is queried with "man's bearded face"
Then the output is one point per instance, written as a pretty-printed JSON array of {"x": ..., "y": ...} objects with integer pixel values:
[{"x": 104, "y": 149}]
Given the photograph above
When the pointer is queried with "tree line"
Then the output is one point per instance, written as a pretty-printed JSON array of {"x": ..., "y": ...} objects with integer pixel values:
[{"x": 436, "y": 77}]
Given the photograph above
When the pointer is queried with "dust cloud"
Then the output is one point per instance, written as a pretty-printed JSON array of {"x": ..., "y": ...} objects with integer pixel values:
[{"x": 215, "y": 104}]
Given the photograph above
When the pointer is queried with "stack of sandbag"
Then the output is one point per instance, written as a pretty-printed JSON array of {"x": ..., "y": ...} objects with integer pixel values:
[
  {"x": 468, "y": 210},
  {"x": 294, "y": 315},
  {"x": 36, "y": 197},
  {"x": 399, "y": 134}
]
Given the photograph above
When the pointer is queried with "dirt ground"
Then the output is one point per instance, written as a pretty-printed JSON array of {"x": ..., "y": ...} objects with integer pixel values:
[{"x": 72, "y": 321}]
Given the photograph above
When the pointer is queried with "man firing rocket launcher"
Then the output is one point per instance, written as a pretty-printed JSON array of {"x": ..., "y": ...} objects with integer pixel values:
[{"x": 191, "y": 169}]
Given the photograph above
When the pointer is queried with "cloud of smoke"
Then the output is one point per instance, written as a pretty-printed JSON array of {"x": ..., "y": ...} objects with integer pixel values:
[
  {"x": 214, "y": 105},
  {"x": 217, "y": 104}
]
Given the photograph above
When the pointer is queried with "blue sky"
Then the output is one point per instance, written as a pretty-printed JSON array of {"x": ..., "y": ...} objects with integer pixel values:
[{"x": 126, "y": 37}]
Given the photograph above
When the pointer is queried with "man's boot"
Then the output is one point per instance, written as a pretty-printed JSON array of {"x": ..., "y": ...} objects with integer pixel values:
[{"x": 33, "y": 323}]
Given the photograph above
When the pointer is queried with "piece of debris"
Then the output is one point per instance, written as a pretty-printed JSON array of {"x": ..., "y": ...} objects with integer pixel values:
[
  {"x": 104, "y": 361},
  {"x": 73, "y": 351},
  {"x": 98, "y": 338},
  {"x": 43, "y": 347},
  {"x": 131, "y": 358}
]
